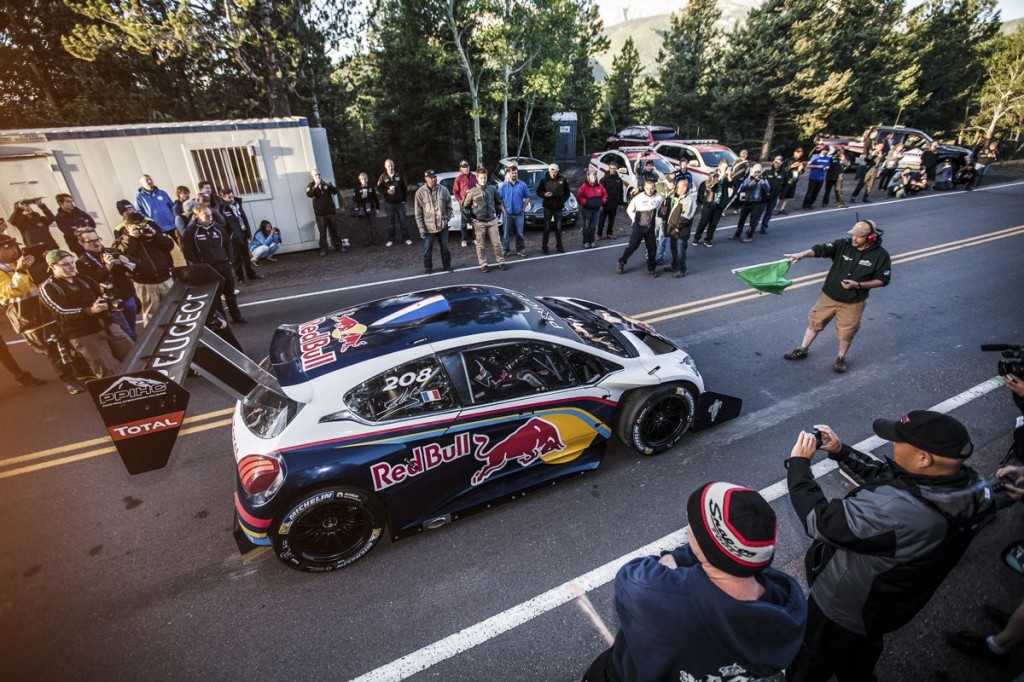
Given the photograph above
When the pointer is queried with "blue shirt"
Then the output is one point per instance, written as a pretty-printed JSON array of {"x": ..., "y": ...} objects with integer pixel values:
[
  {"x": 157, "y": 206},
  {"x": 819, "y": 166},
  {"x": 514, "y": 196}
]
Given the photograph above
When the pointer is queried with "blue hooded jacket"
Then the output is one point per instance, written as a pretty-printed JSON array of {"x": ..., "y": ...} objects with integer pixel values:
[
  {"x": 157, "y": 206},
  {"x": 675, "y": 624}
]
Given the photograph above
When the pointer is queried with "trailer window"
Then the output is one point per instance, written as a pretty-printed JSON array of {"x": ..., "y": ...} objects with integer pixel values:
[{"x": 239, "y": 168}]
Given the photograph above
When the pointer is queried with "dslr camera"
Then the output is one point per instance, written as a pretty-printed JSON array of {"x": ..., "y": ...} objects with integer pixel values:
[
  {"x": 1013, "y": 358},
  {"x": 107, "y": 295}
]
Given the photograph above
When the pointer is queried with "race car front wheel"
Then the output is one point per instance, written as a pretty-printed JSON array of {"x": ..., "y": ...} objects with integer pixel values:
[
  {"x": 651, "y": 421},
  {"x": 328, "y": 528}
]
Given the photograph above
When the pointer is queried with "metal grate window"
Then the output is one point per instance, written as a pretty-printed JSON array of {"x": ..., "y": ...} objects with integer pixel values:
[{"x": 234, "y": 167}]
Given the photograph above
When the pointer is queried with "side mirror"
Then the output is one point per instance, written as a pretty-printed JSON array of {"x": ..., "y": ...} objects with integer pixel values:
[{"x": 694, "y": 163}]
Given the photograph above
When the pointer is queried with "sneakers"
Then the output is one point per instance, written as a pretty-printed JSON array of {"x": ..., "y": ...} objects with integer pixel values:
[
  {"x": 323, "y": 252},
  {"x": 427, "y": 271},
  {"x": 708, "y": 244},
  {"x": 839, "y": 366},
  {"x": 483, "y": 268},
  {"x": 798, "y": 353},
  {"x": 73, "y": 387},
  {"x": 747, "y": 240},
  {"x": 734, "y": 237},
  {"x": 679, "y": 273},
  {"x": 506, "y": 254},
  {"x": 867, "y": 200},
  {"x": 26, "y": 379},
  {"x": 560, "y": 249},
  {"x": 620, "y": 268},
  {"x": 522, "y": 254},
  {"x": 464, "y": 244},
  {"x": 653, "y": 274},
  {"x": 974, "y": 646},
  {"x": 694, "y": 243},
  {"x": 408, "y": 242},
  {"x": 389, "y": 244},
  {"x": 501, "y": 266},
  {"x": 544, "y": 249},
  {"x": 450, "y": 270}
]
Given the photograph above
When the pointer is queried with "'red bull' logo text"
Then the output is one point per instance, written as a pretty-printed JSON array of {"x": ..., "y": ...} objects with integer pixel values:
[
  {"x": 311, "y": 345},
  {"x": 525, "y": 445}
]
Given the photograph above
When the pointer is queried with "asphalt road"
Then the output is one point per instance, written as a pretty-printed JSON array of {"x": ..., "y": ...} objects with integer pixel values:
[{"x": 106, "y": 576}]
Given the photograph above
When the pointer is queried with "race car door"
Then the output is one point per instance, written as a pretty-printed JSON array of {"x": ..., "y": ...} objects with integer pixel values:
[{"x": 531, "y": 415}]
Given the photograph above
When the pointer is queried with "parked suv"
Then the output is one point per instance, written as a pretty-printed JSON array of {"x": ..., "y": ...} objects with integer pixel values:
[{"x": 640, "y": 136}]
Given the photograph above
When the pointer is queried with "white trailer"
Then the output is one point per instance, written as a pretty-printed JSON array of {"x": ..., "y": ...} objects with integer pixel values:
[{"x": 265, "y": 161}]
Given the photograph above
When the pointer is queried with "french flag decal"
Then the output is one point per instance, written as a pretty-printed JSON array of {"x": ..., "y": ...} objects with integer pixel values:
[{"x": 430, "y": 396}]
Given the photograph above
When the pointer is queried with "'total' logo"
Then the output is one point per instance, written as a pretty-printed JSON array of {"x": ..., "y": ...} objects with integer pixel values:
[{"x": 144, "y": 427}]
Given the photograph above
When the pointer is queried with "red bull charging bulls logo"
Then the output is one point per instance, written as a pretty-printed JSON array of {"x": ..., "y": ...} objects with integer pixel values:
[
  {"x": 525, "y": 445},
  {"x": 528, "y": 443}
]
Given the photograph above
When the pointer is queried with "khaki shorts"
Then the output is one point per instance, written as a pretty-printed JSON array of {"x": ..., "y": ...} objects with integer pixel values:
[{"x": 847, "y": 316}]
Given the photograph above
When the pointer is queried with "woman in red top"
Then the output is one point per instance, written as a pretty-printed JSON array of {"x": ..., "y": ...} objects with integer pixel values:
[{"x": 592, "y": 196}]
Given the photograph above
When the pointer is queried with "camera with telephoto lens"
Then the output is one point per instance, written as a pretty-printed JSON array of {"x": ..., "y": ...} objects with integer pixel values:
[
  {"x": 114, "y": 304},
  {"x": 1013, "y": 358}
]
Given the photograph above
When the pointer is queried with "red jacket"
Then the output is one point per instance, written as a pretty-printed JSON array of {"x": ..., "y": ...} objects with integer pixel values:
[
  {"x": 463, "y": 183},
  {"x": 591, "y": 197}
]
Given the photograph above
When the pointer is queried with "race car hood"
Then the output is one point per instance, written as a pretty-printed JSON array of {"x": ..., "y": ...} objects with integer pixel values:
[{"x": 299, "y": 354}]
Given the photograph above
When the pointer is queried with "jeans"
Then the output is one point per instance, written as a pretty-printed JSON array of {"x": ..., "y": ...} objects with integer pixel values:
[
  {"x": 428, "y": 249},
  {"x": 769, "y": 208},
  {"x": 829, "y": 649},
  {"x": 126, "y": 318},
  {"x": 645, "y": 235},
  {"x": 710, "y": 214},
  {"x": 466, "y": 229},
  {"x": 396, "y": 218},
  {"x": 327, "y": 225},
  {"x": 589, "y": 223},
  {"x": 813, "y": 187},
  {"x": 678, "y": 248},
  {"x": 607, "y": 214},
  {"x": 753, "y": 211},
  {"x": 264, "y": 251},
  {"x": 513, "y": 224},
  {"x": 552, "y": 221}
]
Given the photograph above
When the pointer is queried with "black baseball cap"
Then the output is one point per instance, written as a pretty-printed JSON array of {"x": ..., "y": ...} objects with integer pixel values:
[
  {"x": 8, "y": 240},
  {"x": 429, "y": 174},
  {"x": 933, "y": 432},
  {"x": 463, "y": 164}
]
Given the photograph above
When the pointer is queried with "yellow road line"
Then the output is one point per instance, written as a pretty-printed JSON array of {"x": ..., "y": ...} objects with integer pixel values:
[
  {"x": 99, "y": 441},
  {"x": 101, "y": 451},
  {"x": 743, "y": 294},
  {"x": 681, "y": 310}
]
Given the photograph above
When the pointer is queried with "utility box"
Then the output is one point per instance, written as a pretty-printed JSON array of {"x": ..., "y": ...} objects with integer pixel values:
[{"x": 565, "y": 137}]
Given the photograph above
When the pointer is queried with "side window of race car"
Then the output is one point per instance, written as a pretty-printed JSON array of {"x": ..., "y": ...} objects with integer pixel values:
[
  {"x": 409, "y": 390},
  {"x": 588, "y": 368},
  {"x": 514, "y": 370}
]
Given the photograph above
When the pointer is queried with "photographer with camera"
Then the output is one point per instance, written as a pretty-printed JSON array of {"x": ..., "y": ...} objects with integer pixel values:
[
  {"x": 151, "y": 252},
  {"x": 265, "y": 243},
  {"x": 30, "y": 319},
  {"x": 880, "y": 553},
  {"x": 112, "y": 271},
  {"x": 83, "y": 314}
]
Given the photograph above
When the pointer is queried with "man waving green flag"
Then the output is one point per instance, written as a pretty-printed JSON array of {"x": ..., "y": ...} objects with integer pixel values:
[{"x": 768, "y": 278}]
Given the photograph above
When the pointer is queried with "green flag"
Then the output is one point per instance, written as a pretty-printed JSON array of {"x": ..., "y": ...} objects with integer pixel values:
[{"x": 768, "y": 278}]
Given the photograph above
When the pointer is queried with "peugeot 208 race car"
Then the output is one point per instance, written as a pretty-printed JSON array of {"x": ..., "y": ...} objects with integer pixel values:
[{"x": 408, "y": 412}]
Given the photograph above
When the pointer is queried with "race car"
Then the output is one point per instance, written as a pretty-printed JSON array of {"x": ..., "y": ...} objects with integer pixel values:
[{"x": 406, "y": 413}]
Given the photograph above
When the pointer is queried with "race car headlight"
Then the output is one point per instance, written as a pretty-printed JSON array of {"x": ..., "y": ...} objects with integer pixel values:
[
  {"x": 260, "y": 476},
  {"x": 688, "y": 361}
]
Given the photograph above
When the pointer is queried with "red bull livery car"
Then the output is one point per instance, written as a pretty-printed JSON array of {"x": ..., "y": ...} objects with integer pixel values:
[
  {"x": 403, "y": 414},
  {"x": 408, "y": 412}
]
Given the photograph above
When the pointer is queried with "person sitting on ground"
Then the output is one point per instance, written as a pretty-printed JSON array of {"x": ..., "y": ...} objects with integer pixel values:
[{"x": 265, "y": 243}]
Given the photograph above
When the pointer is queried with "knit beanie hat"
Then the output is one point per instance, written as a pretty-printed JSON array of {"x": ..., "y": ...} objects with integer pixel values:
[{"x": 735, "y": 527}]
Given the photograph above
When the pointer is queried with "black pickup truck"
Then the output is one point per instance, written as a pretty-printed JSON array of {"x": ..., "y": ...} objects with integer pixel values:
[{"x": 914, "y": 143}]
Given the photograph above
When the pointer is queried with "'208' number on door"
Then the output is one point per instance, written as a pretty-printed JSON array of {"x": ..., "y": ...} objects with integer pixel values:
[{"x": 409, "y": 378}]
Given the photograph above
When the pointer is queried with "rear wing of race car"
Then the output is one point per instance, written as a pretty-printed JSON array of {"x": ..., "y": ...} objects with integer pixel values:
[{"x": 143, "y": 406}]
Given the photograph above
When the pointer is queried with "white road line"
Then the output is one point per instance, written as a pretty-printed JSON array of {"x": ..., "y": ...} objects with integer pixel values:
[{"x": 469, "y": 637}]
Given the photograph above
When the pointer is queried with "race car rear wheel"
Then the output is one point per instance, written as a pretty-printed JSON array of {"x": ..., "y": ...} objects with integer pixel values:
[
  {"x": 328, "y": 528},
  {"x": 651, "y": 421}
]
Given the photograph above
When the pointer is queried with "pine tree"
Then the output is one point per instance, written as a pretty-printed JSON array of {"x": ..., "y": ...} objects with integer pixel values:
[
  {"x": 687, "y": 61},
  {"x": 622, "y": 101}
]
